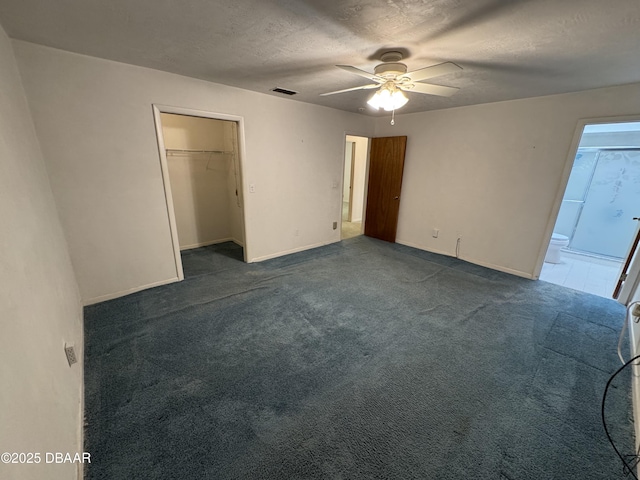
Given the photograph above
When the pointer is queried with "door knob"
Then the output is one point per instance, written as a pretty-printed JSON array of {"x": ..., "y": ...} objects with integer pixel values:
[{"x": 395, "y": 198}]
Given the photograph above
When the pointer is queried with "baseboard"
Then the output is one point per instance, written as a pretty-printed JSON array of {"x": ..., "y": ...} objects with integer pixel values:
[
  {"x": 492, "y": 266},
  {"x": 499, "y": 268},
  {"x": 422, "y": 247},
  {"x": 288, "y": 252},
  {"x": 122, "y": 293},
  {"x": 206, "y": 244}
]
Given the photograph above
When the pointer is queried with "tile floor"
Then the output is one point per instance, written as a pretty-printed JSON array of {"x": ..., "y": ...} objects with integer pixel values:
[
  {"x": 581, "y": 272},
  {"x": 351, "y": 229}
]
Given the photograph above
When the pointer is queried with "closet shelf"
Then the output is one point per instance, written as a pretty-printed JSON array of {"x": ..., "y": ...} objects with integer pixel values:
[{"x": 176, "y": 151}]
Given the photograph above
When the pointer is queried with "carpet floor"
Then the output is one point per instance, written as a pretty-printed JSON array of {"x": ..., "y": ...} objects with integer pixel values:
[{"x": 358, "y": 360}]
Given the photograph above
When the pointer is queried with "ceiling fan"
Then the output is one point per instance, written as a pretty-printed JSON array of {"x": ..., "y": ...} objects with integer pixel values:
[{"x": 392, "y": 79}]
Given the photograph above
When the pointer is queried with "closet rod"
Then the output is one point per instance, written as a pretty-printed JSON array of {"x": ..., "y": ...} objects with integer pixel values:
[{"x": 175, "y": 150}]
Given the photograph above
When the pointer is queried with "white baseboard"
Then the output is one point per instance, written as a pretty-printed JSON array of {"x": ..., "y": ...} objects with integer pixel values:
[
  {"x": 288, "y": 252},
  {"x": 492, "y": 266},
  {"x": 122, "y": 293},
  {"x": 422, "y": 247}
]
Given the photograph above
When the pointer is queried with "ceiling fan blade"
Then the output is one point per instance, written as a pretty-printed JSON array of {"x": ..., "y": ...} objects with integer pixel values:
[
  {"x": 362, "y": 73},
  {"x": 432, "y": 71},
  {"x": 363, "y": 87},
  {"x": 430, "y": 89}
]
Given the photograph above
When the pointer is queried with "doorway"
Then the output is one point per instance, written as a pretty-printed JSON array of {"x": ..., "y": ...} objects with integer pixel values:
[
  {"x": 201, "y": 166},
  {"x": 595, "y": 223},
  {"x": 353, "y": 194}
]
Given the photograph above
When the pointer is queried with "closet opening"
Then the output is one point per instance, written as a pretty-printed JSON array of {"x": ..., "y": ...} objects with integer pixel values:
[{"x": 201, "y": 166}]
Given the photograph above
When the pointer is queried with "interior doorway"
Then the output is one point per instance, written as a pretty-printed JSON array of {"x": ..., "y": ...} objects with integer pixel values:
[
  {"x": 595, "y": 224},
  {"x": 353, "y": 194},
  {"x": 201, "y": 166}
]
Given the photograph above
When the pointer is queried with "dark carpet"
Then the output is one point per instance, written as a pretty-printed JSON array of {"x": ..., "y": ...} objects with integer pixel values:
[{"x": 359, "y": 360}]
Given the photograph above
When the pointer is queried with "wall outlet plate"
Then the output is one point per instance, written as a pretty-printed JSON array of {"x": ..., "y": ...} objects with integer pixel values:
[
  {"x": 335, "y": 225},
  {"x": 70, "y": 352}
]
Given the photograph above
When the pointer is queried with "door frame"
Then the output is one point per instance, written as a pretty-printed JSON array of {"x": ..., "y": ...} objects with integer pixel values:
[
  {"x": 164, "y": 167},
  {"x": 353, "y": 156},
  {"x": 627, "y": 288},
  {"x": 564, "y": 180}
]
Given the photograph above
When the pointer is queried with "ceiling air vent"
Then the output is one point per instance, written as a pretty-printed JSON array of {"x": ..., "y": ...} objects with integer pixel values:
[{"x": 283, "y": 90}]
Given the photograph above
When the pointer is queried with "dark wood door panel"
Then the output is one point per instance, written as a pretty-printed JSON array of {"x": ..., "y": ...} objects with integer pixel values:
[{"x": 386, "y": 166}]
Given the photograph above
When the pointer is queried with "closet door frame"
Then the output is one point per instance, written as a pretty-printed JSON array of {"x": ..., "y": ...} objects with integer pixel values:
[{"x": 164, "y": 166}]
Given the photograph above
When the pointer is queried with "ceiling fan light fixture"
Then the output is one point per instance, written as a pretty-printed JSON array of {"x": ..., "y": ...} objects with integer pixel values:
[{"x": 389, "y": 98}]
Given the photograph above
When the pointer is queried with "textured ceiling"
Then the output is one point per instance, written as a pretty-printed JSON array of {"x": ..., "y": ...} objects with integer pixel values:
[{"x": 507, "y": 48}]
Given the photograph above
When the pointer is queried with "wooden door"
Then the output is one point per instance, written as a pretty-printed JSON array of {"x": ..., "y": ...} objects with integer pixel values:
[{"x": 386, "y": 164}]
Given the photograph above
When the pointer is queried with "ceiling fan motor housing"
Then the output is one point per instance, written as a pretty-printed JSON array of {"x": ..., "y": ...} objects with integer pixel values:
[{"x": 390, "y": 70}]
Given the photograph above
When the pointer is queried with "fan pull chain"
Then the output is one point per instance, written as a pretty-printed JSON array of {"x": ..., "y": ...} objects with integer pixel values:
[{"x": 393, "y": 116}]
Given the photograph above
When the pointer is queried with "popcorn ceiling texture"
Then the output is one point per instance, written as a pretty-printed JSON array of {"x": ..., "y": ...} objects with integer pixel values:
[{"x": 508, "y": 49}]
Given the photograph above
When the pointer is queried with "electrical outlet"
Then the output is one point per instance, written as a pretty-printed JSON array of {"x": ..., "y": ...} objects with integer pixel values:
[
  {"x": 335, "y": 225},
  {"x": 296, "y": 233},
  {"x": 70, "y": 352},
  {"x": 435, "y": 233}
]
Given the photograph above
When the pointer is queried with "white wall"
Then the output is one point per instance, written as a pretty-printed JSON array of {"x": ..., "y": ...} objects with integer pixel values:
[
  {"x": 492, "y": 173},
  {"x": 110, "y": 196},
  {"x": 359, "y": 176},
  {"x": 39, "y": 301},
  {"x": 200, "y": 181}
]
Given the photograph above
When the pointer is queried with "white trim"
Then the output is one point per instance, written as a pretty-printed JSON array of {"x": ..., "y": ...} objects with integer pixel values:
[
  {"x": 492, "y": 266},
  {"x": 631, "y": 285},
  {"x": 510, "y": 271},
  {"x": 122, "y": 293},
  {"x": 293, "y": 250},
  {"x": 568, "y": 166},
  {"x": 157, "y": 110},
  {"x": 164, "y": 167},
  {"x": 424, "y": 248}
]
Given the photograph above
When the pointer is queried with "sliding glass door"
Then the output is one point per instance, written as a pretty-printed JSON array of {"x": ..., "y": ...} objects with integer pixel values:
[{"x": 601, "y": 199}]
